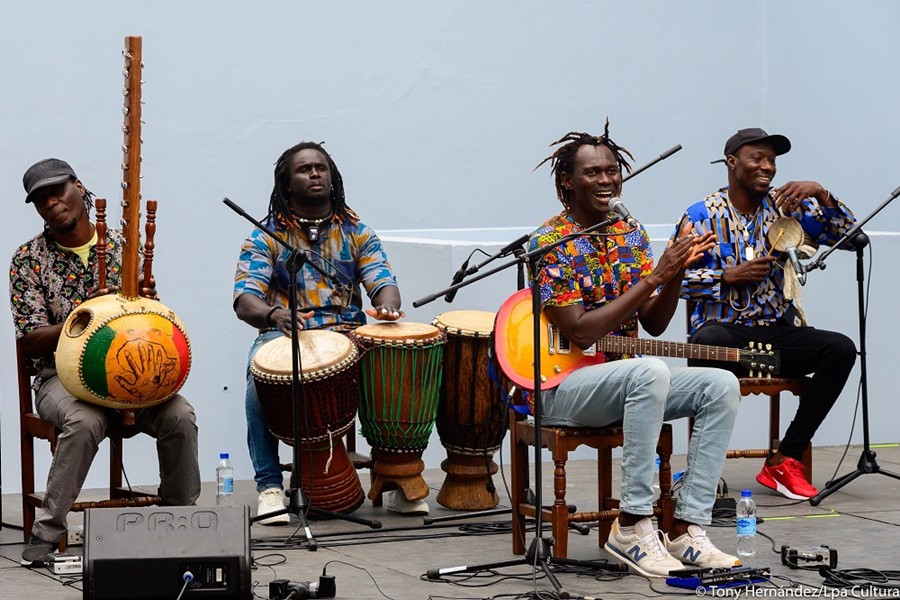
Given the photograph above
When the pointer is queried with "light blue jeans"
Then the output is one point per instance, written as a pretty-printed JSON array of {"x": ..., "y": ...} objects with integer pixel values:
[
  {"x": 642, "y": 393},
  {"x": 262, "y": 444}
]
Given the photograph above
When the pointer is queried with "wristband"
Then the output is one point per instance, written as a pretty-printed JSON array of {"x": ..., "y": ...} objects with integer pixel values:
[{"x": 269, "y": 316}]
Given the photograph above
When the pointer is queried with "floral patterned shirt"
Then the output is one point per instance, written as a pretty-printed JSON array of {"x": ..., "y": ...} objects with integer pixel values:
[{"x": 46, "y": 282}]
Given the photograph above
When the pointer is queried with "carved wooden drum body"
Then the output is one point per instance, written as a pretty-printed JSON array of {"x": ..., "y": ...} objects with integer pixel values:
[
  {"x": 329, "y": 373},
  {"x": 399, "y": 390},
  {"x": 471, "y": 418}
]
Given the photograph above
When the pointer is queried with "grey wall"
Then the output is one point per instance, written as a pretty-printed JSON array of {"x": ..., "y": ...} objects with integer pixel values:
[{"x": 436, "y": 113}]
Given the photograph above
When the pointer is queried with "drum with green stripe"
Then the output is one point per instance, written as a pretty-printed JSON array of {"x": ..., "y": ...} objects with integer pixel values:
[{"x": 400, "y": 380}]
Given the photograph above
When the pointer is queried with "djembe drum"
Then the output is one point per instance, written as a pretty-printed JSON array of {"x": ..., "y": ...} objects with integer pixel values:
[
  {"x": 330, "y": 369},
  {"x": 471, "y": 414},
  {"x": 400, "y": 377}
]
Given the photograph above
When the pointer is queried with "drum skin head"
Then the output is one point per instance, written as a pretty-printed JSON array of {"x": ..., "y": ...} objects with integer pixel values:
[
  {"x": 320, "y": 350},
  {"x": 398, "y": 331},
  {"x": 467, "y": 323}
]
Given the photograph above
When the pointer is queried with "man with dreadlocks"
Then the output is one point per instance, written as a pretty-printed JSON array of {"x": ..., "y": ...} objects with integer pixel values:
[
  {"x": 50, "y": 275},
  {"x": 308, "y": 209},
  {"x": 605, "y": 283},
  {"x": 743, "y": 292}
]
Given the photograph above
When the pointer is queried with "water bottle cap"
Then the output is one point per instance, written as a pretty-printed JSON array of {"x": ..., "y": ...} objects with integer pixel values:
[
  {"x": 746, "y": 493},
  {"x": 223, "y": 455},
  {"x": 657, "y": 461}
]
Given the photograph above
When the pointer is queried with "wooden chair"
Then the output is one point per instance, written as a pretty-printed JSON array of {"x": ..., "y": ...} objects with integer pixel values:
[
  {"x": 772, "y": 388},
  {"x": 560, "y": 441},
  {"x": 33, "y": 426}
]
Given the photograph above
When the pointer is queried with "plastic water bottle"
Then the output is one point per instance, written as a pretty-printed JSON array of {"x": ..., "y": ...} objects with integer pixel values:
[
  {"x": 224, "y": 481},
  {"x": 746, "y": 524},
  {"x": 656, "y": 490}
]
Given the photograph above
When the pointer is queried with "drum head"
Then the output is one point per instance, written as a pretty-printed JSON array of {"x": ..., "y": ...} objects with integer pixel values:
[
  {"x": 467, "y": 323},
  {"x": 398, "y": 331},
  {"x": 320, "y": 350}
]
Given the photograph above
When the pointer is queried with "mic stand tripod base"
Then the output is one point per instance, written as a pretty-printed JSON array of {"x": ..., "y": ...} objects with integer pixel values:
[
  {"x": 867, "y": 464},
  {"x": 466, "y": 485}
]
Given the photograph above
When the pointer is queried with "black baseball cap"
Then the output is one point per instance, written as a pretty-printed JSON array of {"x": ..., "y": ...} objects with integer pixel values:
[
  {"x": 781, "y": 144},
  {"x": 49, "y": 171}
]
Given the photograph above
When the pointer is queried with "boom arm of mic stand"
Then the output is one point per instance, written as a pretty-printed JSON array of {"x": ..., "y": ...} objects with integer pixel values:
[
  {"x": 662, "y": 156},
  {"x": 819, "y": 262},
  {"x": 329, "y": 276}
]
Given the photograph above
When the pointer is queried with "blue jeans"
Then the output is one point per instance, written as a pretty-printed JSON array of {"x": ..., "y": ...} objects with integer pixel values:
[
  {"x": 262, "y": 444},
  {"x": 642, "y": 393}
]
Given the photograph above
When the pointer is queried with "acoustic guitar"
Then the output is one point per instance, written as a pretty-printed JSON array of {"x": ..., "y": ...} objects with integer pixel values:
[{"x": 514, "y": 344}]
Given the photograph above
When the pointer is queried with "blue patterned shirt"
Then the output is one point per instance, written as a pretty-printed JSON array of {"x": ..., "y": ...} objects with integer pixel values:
[
  {"x": 757, "y": 304},
  {"x": 352, "y": 247}
]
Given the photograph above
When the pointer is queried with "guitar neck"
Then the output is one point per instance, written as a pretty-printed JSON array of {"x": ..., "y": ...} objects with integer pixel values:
[{"x": 625, "y": 345}]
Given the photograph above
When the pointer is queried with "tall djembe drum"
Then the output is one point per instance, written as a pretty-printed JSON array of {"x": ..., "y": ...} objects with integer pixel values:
[
  {"x": 330, "y": 377},
  {"x": 121, "y": 350},
  {"x": 400, "y": 377},
  {"x": 471, "y": 417}
]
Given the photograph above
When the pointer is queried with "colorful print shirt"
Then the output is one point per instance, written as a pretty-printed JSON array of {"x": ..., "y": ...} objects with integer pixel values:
[
  {"x": 592, "y": 270},
  {"x": 759, "y": 304},
  {"x": 352, "y": 247},
  {"x": 47, "y": 282}
]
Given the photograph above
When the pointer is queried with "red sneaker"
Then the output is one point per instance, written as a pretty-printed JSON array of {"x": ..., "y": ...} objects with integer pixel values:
[{"x": 787, "y": 479}]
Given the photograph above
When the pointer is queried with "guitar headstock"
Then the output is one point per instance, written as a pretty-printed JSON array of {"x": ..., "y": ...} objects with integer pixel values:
[{"x": 760, "y": 359}]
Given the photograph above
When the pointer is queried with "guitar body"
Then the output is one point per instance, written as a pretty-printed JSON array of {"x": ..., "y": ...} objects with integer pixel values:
[
  {"x": 514, "y": 342},
  {"x": 514, "y": 345}
]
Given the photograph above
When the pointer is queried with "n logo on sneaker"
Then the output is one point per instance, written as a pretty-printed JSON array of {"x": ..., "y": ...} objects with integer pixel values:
[
  {"x": 691, "y": 554},
  {"x": 636, "y": 554}
]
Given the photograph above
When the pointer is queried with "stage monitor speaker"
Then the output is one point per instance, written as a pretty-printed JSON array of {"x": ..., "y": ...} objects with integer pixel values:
[{"x": 144, "y": 552}]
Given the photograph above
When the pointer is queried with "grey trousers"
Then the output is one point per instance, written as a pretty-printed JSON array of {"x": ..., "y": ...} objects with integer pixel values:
[{"x": 83, "y": 427}]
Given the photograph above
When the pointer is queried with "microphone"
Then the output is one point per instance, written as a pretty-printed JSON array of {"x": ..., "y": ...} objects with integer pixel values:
[
  {"x": 513, "y": 246},
  {"x": 457, "y": 278},
  {"x": 791, "y": 250},
  {"x": 620, "y": 209}
]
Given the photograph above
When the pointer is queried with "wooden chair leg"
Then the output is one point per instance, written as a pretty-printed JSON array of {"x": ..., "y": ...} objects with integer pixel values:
[
  {"x": 665, "y": 503},
  {"x": 518, "y": 465},
  {"x": 560, "y": 511},
  {"x": 604, "y": 491}
]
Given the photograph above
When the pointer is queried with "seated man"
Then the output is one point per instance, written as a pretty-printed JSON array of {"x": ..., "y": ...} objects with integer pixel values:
[
  {"x": 605, "y": 283},
  {"x": 739, "y": 289},
  {"x": 308, "y": 209},
  {"x": 50, "y": 275}
]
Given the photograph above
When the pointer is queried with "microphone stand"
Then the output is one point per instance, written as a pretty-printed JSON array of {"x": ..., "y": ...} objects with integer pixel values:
[
  {"x": 298, "y": 504},
  {"x": 867, "y": 463}
]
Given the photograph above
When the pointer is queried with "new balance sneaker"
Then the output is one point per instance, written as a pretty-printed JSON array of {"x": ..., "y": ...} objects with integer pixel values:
[
  {"x": 397, "y": 502},
  {"x": 37, "y": 553},
  {"x": 695, "y": 548},
  {"x": 787, "y": 479},
  {"x": 271, "y": 500},
  {"x": 643, "y": 550}
]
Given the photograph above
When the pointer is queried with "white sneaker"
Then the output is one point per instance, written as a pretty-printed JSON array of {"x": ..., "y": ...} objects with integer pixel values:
[
  {"x": 695, "y": 548},
  {"x": 396, "y": 502},
  {"x": 643, "y": 550},
  {"x": 271, "y": 500}
]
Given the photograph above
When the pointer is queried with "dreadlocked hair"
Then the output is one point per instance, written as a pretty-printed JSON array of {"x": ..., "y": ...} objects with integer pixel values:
[
  {"x": 279, "y": 205},
  {"x": 563, "y": 159}
]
